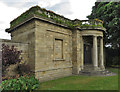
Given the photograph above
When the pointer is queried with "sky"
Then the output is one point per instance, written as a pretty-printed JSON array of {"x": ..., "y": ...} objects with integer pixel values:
[{"x": 72, "y": 9}]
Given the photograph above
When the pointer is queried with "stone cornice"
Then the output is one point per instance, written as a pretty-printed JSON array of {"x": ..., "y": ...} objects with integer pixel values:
[
  {"x": 49, "y": 21},
  {"x": 9, "y": 30},
  {"x": 53, "y": 18}
]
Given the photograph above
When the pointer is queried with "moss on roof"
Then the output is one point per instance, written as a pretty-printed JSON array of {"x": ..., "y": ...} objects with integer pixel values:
[{"x": 36, "y": 10}]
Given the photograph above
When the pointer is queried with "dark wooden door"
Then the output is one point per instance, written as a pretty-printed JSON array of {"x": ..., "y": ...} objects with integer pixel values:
[{"x": 87, "y": 54}]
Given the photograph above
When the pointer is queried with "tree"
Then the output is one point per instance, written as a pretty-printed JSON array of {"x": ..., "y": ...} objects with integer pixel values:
[{"x": 109, "y": 12}]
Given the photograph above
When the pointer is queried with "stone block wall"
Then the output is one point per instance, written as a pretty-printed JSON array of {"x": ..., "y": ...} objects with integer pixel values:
[{"x": 53, "y": 51}]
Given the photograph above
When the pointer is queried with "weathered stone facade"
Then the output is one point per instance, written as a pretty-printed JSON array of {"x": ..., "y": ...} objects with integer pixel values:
[{"x": 55, "y": 50}]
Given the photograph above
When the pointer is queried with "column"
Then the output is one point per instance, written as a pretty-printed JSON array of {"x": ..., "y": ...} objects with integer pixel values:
[
  {"x": 95, "y": 53},
  {"x": 101, "y": 54}
]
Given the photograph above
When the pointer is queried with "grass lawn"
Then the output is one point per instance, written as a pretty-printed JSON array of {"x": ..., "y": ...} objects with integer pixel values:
[{"x": 83, "y": 83}]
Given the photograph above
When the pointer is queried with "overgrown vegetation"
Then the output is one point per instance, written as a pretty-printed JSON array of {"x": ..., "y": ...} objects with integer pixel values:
[{"x": 54, "y": 17}]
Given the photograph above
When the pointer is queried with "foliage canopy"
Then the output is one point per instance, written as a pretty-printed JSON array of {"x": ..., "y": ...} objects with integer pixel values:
[{"x": 109, "y": 12}]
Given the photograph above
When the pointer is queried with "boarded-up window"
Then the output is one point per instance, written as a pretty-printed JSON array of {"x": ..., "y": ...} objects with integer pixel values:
[{"x": 58, "y": 51}]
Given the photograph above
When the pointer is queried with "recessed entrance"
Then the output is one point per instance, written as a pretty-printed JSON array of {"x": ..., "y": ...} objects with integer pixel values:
[
  {"x": 87, "y": 54},
  {"x": 88, "y": 50}
]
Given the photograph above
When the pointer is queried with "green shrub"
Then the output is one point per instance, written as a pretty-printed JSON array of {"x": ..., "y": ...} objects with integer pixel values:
[{"x": 22, "y": 83}]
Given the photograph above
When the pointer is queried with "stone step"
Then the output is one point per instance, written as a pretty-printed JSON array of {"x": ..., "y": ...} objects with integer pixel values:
[
  {"x": 89, "y": 70},
  {"x": 97, "y": 73}
]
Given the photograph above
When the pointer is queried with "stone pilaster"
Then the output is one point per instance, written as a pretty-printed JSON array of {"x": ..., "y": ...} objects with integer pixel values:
[
  {"x": 76, "y": 52},
  {"x": 82, "y": 52}
]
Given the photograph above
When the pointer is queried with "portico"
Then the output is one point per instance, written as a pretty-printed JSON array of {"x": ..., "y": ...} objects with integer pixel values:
[{"x": 95, "y": 39}]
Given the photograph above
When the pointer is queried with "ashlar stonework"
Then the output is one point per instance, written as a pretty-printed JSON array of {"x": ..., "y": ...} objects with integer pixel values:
[{"x": 57, "y": 46}]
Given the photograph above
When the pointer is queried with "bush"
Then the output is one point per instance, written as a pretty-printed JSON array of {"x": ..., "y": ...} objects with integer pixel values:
[
  {"x": 22, "y": 83},
  {"x": 10, "y": 55}
]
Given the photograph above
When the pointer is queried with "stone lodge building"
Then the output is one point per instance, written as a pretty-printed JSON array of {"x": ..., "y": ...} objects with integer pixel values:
[{"x": 54, "y": 46}]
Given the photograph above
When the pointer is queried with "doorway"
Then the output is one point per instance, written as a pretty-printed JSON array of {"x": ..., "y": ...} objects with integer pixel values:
[{"x": 87, "y": 54}]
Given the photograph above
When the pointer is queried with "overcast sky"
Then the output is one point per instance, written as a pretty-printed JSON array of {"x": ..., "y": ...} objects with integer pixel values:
[{"x": 72, "y": 9}]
